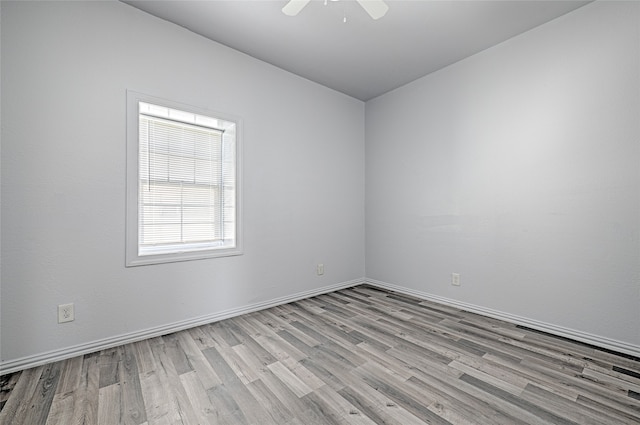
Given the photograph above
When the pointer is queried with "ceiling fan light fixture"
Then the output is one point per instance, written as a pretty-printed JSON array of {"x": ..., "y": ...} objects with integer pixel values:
[
  {"x": 375, "y": 8},
  {"x": 294, "y": 7}
]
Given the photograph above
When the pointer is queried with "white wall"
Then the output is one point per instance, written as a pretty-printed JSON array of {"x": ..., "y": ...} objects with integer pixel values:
[
  {"x": 518, "y": 168},
  {"x": 65, "y": 69}
]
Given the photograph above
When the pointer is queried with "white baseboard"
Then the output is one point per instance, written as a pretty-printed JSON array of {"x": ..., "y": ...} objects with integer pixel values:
[
  {"x": 596, "y": 340},
  {"x": 15, "y": 365}
]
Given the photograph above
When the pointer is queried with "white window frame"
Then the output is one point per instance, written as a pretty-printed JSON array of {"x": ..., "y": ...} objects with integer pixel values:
[{"x": 133, "y": 257}]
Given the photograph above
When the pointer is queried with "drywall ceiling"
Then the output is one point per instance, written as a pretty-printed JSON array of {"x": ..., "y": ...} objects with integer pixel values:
[{"x": 362, "y": 58}]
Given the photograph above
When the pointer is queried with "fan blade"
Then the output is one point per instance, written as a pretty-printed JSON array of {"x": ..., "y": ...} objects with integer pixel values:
[
  {"x": 375, "y": 8},
  {"x": 294, "y": 7}
]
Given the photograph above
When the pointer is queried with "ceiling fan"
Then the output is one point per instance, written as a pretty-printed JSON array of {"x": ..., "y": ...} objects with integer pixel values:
[{"x": 375, "y": 8}]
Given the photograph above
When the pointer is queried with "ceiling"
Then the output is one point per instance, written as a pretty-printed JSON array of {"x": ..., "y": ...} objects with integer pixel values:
[{"x": 362, "y": 58}]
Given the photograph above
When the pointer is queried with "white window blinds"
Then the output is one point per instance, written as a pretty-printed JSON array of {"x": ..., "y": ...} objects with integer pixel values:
[{"x": 187, "y": 185}]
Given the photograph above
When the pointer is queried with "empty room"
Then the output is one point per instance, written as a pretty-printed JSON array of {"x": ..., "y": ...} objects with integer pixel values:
[{"x": 319, "y": 212}]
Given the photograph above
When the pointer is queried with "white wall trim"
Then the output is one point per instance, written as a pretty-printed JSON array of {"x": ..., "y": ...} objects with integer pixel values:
[
  {"x": 15, "y": 365},
  {"x": 596, "y": 340}
]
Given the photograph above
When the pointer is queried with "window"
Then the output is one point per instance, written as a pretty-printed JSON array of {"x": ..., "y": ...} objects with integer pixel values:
[{"x": 182, "y": 182}]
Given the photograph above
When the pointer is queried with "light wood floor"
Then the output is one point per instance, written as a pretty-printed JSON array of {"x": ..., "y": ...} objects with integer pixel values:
[{"x": 356, "y": 356}]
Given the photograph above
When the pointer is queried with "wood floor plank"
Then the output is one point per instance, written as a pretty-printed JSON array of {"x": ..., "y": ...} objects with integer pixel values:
[
  {"x": 40, "y": 403},
  {"x": 61, "y": 411},
  {"x": 278, "y": 412},
  {"x": 460, "y": 408},
  {"x": 283, "y": 393},
  {"x": 7, "y": 384},
  {"x": 298, "y": 387},
  {"x": 360, "y": 355},
  {"x": 377, "y": 407},
  {"x": 233, "y": 356},
  {"x": 617, "y": 415},
  {"x": 15, "y": 408},
  {"x": 493, "y": 328},
  {"x": 254, "y": 412},
  {"x": 400, "y": 395},
  {"x": 264, "y": 356},
  {"x": 613, "y": 382},
  {"x": 626, "y": 374},
  {"x": 70, "y": 376},
  {"x": 588, "y": 388},
  {"x": 219, "y": 364},
  {"x": 201, "y": 338},
  {"x": 564, "y": 408},
  {"x": 629, "y": 362},
  {"x": 133, "y": 410},
  {"x": 69, "y": 392},
  {"x": 155, "y": 401},
  {"x": 85, "y": 408},
  {"x": 249, "y": 360},
  {"x": 539, "y": 411},
  {"x": 520, "y": 373},
  {"x": 176, "y": 353},
  {"x": 324, "y": 372},
  {"x": 303, "y": 374},
  {"x": 473, "y": 405},
  {"x": 109, "y": 361},
  {"x": 451, "y": 414},
  {"x": 203, "y": 410},
  {"x": 176, "y": 403},
  {"x": 199, "y": 362},
  {"x": 279, "y": 348},
  {"x": 144, "y": 356},
  {"x": 227, "y": 409},
  {"x": 161, "y": 402},
  {"x": 346, "y": 412},
  {"x": 330, "y": 326},
  {"x": 486, "y": 377},
  {"x": 291, "y": 329},
  {"x": 318, "y": 412},
  {"x": 390, "y": 362},
  {"x": 109, "y": 405}
]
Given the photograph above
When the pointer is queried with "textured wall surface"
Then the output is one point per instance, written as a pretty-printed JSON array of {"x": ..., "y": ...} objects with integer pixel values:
[
  {"x": 66, "y": 67},
  {"x": 518, "y": 168}
]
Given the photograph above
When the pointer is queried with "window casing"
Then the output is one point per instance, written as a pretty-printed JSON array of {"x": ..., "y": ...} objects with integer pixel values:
[{"x": 182, "y": 182}]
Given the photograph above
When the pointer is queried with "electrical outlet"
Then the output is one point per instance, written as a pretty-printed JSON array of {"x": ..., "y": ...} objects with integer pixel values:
[
  {"x": 66, "y": 313},
  {"x": 455, "y": 279},
  {"x": 320, "y": 269}
]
